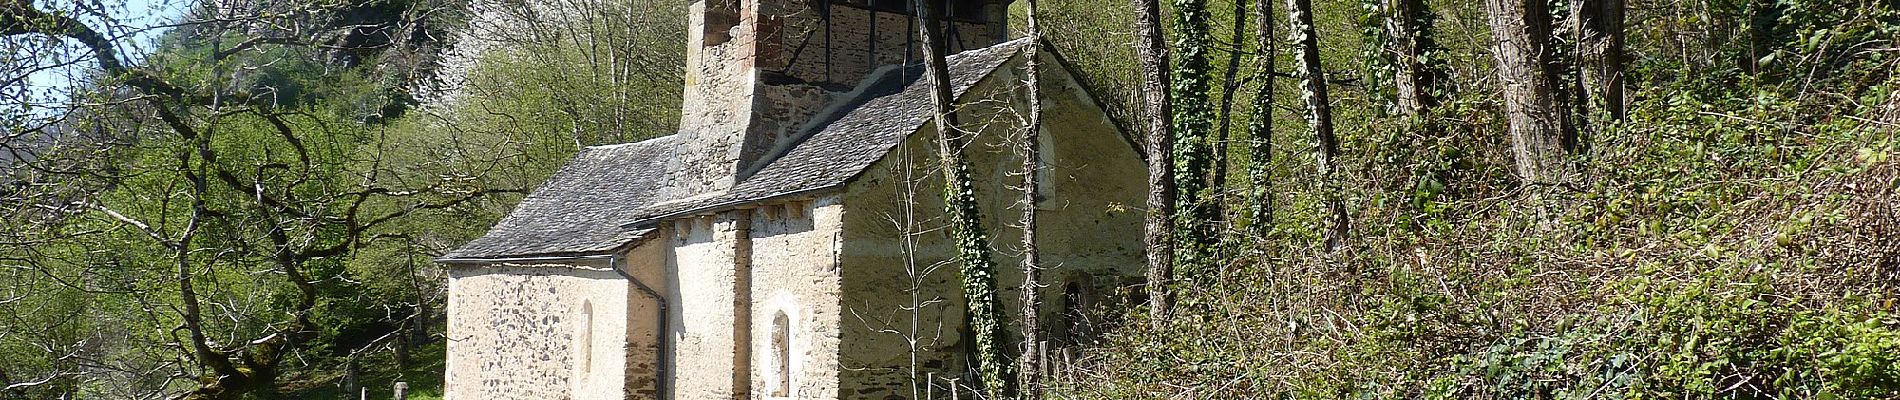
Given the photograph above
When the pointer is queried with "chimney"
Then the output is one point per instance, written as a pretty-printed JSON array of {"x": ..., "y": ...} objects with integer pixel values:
[{"x": 758, "y": 70}]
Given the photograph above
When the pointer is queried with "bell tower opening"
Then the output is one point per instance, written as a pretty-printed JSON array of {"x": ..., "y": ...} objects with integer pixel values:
[{"x": 721, "y": 16}]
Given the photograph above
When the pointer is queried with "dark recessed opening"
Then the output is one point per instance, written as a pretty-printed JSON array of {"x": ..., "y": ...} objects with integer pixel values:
[{"x": 721, "y": 16}]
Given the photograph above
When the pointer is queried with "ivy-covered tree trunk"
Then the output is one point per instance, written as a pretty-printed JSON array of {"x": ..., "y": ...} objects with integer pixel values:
[
  {"x": 1416, "y": 65},
  {"x": 1599, "y": 30},
  {"x": 1403, "y": 63},
  {"x": 1030, "y": 367},
  {"x": 1260, "y": 129},
  {"x": 1195, "y": 214},
  {"x": 1543, "y": 132},
  {"x": 1152, "y": 52},
  {"x": 1319, "y": 117},
  {"x": 978, "y": 272}
]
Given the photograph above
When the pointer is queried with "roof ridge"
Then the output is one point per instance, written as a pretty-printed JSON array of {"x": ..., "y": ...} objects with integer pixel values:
[{"x": 640, "y": 142}]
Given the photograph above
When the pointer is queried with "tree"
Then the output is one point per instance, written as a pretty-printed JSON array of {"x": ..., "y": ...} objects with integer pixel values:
[
  {"x": 1260, "y": 129},
  {"x": 1230, "y": 87},
  {"x": 1030, "y": 368},
  {"x": 1599, "y": 30},
  {"x": 1319, "y": 118},
  {"x": 978, "y": 272},
  {"x": 1417, "y": 69},
  {"x": 1152, "y": 53},
  {"x": 223, "y": 205},
  {"x": 1195, "y": 212},
  {"x": 1543, "y": 131},
  {"x": 595, "y": 71}
]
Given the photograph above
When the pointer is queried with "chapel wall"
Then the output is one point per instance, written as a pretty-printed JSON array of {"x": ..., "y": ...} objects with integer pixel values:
[
  {"x": 795, "y": 275},
  {"x": 537, "y": 332},
  {"x": 1090, "y": 234}
]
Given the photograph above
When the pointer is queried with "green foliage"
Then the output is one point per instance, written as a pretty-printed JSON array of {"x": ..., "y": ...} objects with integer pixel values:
[
  {"x": 977, "y": 272},
  {"x": 1377, "y": 56},
  {"x": 600, "y": 72}
]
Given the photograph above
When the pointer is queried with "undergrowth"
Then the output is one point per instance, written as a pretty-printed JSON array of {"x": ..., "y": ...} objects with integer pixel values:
[{"x": 1720, "y": 243}]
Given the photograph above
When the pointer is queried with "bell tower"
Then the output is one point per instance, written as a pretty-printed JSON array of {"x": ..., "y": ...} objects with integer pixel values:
[{"x": 758, "y": 70}]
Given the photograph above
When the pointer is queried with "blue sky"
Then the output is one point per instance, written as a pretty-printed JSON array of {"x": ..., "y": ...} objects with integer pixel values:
[{"x": 138, "y": 24}]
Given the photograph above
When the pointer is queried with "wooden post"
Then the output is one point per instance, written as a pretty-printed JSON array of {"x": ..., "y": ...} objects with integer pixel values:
[
  {"x": 402, "y": 350},
  {"x": 402, "y": 390},
  {"x": 1068, "y": 360},
  {"x": 362, "y": 394},
  {"x": 350, "y": 371},
  {"x": 1042, "y": 357}
]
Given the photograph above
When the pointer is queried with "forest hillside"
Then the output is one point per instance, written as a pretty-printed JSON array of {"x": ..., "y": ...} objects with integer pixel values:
[{"x": 1352, "y": 199}]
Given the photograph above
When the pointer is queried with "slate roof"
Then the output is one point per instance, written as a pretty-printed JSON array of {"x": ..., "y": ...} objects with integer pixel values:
[
  {"x": 576, "y": 211},
  {"x": 608, "y": 195}
]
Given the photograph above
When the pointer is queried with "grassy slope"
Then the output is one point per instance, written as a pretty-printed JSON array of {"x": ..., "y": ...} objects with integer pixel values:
[
  {"x": 1724, "y": 244},
  {"x": 424, "y": 375}
]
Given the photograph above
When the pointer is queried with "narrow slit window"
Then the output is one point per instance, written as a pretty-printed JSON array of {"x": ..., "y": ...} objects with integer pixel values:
[
  {"x": 781, "y": 356},
  {"x": 1045, "y": 156},
  {"x": 586, "y": 345}
]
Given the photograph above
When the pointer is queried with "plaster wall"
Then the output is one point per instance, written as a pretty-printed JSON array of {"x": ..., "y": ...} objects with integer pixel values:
[
  {"x": 709, "y": 340},
  {"x": 717, "y": 105},
  {"x": 795, "y": 273},
  {"x": 1090, "y": 230}
]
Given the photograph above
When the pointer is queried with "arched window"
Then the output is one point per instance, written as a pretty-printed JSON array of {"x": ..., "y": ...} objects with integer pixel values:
[{"x": 781, "y": 355}]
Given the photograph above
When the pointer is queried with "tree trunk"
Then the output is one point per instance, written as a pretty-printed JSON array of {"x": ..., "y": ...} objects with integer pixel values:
[
  {"x": 1319, "y": 115},
  {"x": 1153, "y": 55},
  {"x": 1542, "y": 131},
  {"x": 1599, "y": 29},
  {"x": 1414, "y": 75},
  {"x": 1229, "y": 86},
  {"x": 1193, "y": 120},
  {"x": 1030, "y": 368},
  {"x": 978, "y": 272},
  {"x": 1260, "y": 129}
]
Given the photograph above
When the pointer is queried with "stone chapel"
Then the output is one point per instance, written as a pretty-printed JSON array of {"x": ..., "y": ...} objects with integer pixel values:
[{"x": 787, "y": 242}]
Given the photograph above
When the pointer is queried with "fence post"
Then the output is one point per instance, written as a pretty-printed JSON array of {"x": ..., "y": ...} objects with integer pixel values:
[
  {"x": 1042, "y": 359},
  {"x": 1068, "y": 361},
  {"x": 402, "y": 390}
]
